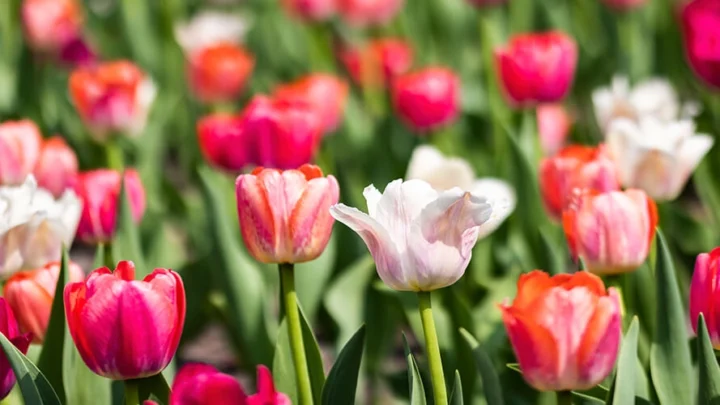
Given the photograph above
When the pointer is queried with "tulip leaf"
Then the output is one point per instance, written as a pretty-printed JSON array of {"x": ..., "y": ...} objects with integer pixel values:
[
  {"x": 709, "y": 371},
  {"x": 623, "y": 392},
  {"x": 126, "y": 243},
  {"x": 486, "y": 369},
  {"x": 341, "y": 383},
  {"x": 456, "y": 396},
  {"x": 35, "y": 388},
  {"x": 154, "y": 386},
  {"x": 82, "y": 386},
  {"x": 670, "y": 364},
  {"x": 311, "y": 278},
  {"x": 417, "y": 391}
]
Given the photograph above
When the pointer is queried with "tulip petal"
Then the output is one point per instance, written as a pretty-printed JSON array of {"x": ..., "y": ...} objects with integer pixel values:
[
  {"x": 401, "y": 203},
  {"x": 429, "y": 164},
  {"x": 501, "y": 197},
  {"x": 701, "y": 292},
  {"x": 311, "y": 219},
  {"x": 259, "y": 226},
  {"x": 600, "y": 343},
  {"x": 372, "y": 198}
]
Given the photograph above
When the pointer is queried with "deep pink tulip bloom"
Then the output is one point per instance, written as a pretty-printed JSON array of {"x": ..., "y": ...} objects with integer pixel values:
[
  {"x": 57, "y": 167},
  {"x": 125, "y": 328},
  {"x": 202, "y": 384},
  {"x": 428, "y": 98},
  {"x": 20, "y": 143},
  {"x": 537, "y": 68},
  {"x": 705, "y": 294},
  {"x": 224, "y": 143},
  {"x": 701, "y": 33},
  {"x": 368, "y": 12},
  {"x": 9, "y": 327},
  {"x": 266, "y": 393}
]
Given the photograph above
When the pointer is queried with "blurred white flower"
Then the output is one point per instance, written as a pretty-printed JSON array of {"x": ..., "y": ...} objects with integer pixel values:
[
  {"x": 209, "y": 28},
  {"x": 34, "y": 226},
  {"x": 656, "y": 156}
]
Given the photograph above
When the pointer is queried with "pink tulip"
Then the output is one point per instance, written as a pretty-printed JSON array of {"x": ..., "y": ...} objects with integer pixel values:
[
  {"x": 565, "y": 330},
  {"x": 224, "y": 143},
  {"x": 368, "y": 12},
  {"x": 313, "y": 10},
  {"x": 57, "y": 167},
  {"x": 554, "y": 124},
  {"x": 701, "y": 29},
  {"x": 427, "y": 99},
  {"x": 537, "y": 68},
  {"x": 19, "y": 150},
  {"x": 126, "y": 328},
  {"x": 202, "y": 384},
  {"x": 704, "y": 294},
  {"x": 50, "y": 24},
  {"x": 99, "y": 191},
  {"x": 266, "y": 393},
  {"x": 9, "y": 327},
  {"x": 284, "y": 215},
  {"x": 325, "y": 93},
  {"x": 612, "y": 232}
]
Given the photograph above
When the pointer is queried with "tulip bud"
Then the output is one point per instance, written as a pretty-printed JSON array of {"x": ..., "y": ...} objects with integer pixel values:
[
  {"x": 421, "y": 238},
  {"x": 57, "y": 168},
  {"x": 368, "y": 12},
  {"x": 112, "y": 97},
  {"x": 323, "y": 92},
  {"x": 198, "y": 384},
  {"x": 612, "y": 232},
  {"x": 100, "y": 191},
  {"x": 19, "y": 150},
  {"x": 124, "y": 328},
  {"x": 9, "y": 328},
  {"x": 313, "y": 10},
  {"x": 378, "y": 62},
  {"x": 224, "y": 143},
  {"x": 554, "y": 122},
  {"x": 427, "y": 99},
  {"x": 575, "y": 167},
  {"x": 284, "y": 215},
  {"x": 704, "y": 293},
  {"x": 565, "y": 330},
  {"x": 219, "y": 72},
  {"x": 30, "y": 294},
  {"x": 50, "y": 24},
  {"x": 701, "y": 34},
  {"x": 537, "y": 68}
]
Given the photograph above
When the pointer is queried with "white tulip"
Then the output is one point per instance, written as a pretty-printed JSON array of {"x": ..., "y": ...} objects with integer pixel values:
[{"x": 209, "y": 28}]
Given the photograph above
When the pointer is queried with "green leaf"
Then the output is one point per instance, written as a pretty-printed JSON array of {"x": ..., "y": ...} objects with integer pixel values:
[
  {"x": 126, "y": 244},
  {"x": 670, "y": 364},
  {"x": 624, "y": 385},
  {"x": 456, "y": 396},
  {"x": 311, "y": 278},
  {"x": 82, "y": 386},
  {"x": 154, "y": 386},
  {"x": 709, "y": 372},
  {"x": 486, "y": 369},
  {"x": 341, "y": 383},
  {"x": 345, "y": 298},
  {"x": 283, "y": 369},
  {"x": 99, "y": 260},
  {"x": 35, "y": 388},
  {"x": 417, "y": 391}
]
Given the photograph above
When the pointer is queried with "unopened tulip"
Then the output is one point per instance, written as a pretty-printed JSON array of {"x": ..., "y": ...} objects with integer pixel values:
[
  {"x": 575, "y": 167},
  {"x": 202, "y": 384},
  {"x": 34, "y": 226},
  {"x": 368, "y": 12},
  {"x": 656, "y": 157},
  {"x": 421, "y": 238},
  {"x": 266, "y": 393},
  {"x": 537, "y": 68},
  {"x": 554, "y": 122},
  {"x": 379, "y": 61},
  {"x": 9, "y": 327},
  {"x": 125, "y": 328},
  {"x": 313, "y": 10},
  {"x": 284, "y": 215},
  {"x": 704, "y": 293},
  {"x": 427, "y": 99},
  {"x": 565, "y": 330},
  {"x": 218, "y": 73},
  {"x": 209, "y": 28},
  {"x": 701, "y": 34},
  {"x": 325, "y": 93},
  {"x": 19, "y": 151},
  {"x": 50, "y": 24},
  {"x": 112, "y": 97},
  {"x": 611, "y": 232},
  {"x": 224, "y": 143},
  {"x": 100, "y": 191},
  {"x": 30, "y": 294},
  {"x": 57, "y": 167}
]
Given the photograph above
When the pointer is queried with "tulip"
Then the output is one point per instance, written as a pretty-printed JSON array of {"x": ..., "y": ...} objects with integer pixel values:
[
  {"x": 656, "y": 157},
  {"x": 537, "y": 68},
  {"x": 124, "y": 328},
  {"x": 313, "y": 10},
  {"x": 224, "y": 143},
  {"x": 368, "y": 12},
  {"x": 34, "y": 226},
  {"x": 57, "y": 167},
  {"x": 379, "y": 61},
  {"x": 286, "y": 134},
  {"x": 554, "y": 122},
  {"x": 427, "y": 99},
  {"x": 209, "y": 28},
  {"x": 30, "y": 294},
  {"x": 100, "y": 191},
  {"x": 612, "y": 232},
  {"x": 323, "y": 92},
  {"x": 701, "y": 30},
  {"x": 19, "y": 150},
  {"x": 266, "y": 393},
  {"x": 50, "y": 24},
  {"x": 565, "y": 330},
  {"x": 9, "y": 328},
  {"x": 218, "y": 73},
  {"x": 78, "y": 52},
  {"x": 198, "y": 384},
  {"x": 704, "y": 292},
  {"x": 575, "y": 167},
  {"x": 284, "y": 215},
  {"x": 112, "y": 97}
]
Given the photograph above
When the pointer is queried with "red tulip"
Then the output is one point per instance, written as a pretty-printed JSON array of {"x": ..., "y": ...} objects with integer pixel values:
[
  {"x": 219, "y": 72},
  {"x": 314, "y": 10},
  {"x": 30, "y": 294},
  {"x": 427, "y": 99},
  {"x": 224, "y": 143},
  {"x": 554, "y": 122},
  {"x": 51, "y": 24},
  {"x": 379, "y": 61},
  {"x": 19, "y": 150},
  {"x": 202, "y": 384},
  {"x": 325, "y": 93},
  {"x": 57, "y": 167},
  {"x": 537, "y": 68},
  {"x": 99, "y": 191},
  {"x": 704, "y": 294},
  {"x": 701, "y": 29},
  {"x": 122, "y": 327},
  {"x": 368, "y": 12},
  {"x": 9, "y": 327}
]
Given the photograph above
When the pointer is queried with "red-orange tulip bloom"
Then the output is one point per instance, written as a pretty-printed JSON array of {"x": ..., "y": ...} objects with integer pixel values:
[
  {"x": 285, "y": 215},
  {"x": 126, "y": 328},
  {"x": 19, "y": 150},
  {"x": 219, "y": 72},
  {"x": 325, "y": 93},
  {"x": 30, "y": 295},
  {"x": 565, "y": 330},
  {"x": 57, "y": 167}
]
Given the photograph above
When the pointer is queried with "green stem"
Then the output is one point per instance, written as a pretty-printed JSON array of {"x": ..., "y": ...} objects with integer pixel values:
[
  {"x": 114, "y": 155},
  {"x": 564, "y": 398},
  {"x": 292, "y": 314},
  {"x": 433, "y": 349},
  {"x": 132, "y": 396}
]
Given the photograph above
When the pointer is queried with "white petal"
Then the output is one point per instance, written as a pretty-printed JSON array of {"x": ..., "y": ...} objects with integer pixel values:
[
  {"x": 372, "y": 197},
  {"x": 656, "y": 98},
  {"x": 501, "y": 197},
  {"x": 443, "y": 173},
  {"x": 208, "y": 28},
  {"x": 689, "y": 156}
]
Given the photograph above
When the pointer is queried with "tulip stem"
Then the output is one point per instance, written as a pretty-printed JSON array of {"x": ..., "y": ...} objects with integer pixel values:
[
  {"x": 433, "y": 349},
  {"x": 292, "y": 314},
  {"x": 132, "y": 396},
  {"x": 114, "y": 155},
  {"x": 564, "y": 398}
]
